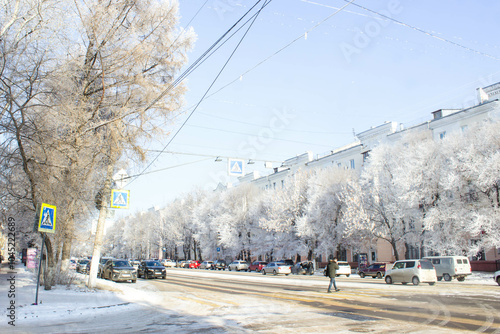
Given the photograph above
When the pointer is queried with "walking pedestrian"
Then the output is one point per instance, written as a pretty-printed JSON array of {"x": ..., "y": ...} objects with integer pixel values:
[{"x": 331, "y": 271}]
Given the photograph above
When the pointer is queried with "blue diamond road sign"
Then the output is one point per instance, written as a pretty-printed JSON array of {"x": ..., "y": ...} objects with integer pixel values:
[
  {"x": 120, "y": 199},
  {"x": 235, "y": 167},
  {"x": 47, "y": 221}
]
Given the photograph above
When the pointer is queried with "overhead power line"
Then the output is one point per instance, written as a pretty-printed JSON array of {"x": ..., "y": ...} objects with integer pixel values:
[
  {"x": 266, "y": 2},
  {"x": 277, "y": 52}
]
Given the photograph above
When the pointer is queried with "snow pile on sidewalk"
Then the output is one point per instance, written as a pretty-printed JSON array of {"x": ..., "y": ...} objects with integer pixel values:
[{"x": 62, "y": 302}]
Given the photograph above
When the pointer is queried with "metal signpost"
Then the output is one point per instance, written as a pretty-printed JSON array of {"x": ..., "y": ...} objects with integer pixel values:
[{"x": 46, "y": 224}]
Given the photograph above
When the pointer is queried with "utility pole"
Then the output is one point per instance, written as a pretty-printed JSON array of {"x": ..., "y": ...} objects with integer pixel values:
[{"x": 99, "y": 234}]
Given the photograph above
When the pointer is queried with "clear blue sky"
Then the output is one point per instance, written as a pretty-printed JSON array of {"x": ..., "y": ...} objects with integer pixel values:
[{"x": 353, "y": 71}]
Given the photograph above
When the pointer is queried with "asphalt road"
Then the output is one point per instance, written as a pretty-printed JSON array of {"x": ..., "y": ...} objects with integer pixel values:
[
  {"x": 199, "y": 301},
  {"x": 454, "y": 306}
]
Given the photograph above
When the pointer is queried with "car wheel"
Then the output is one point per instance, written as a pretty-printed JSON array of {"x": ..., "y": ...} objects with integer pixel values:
[
  {"x": 347, "y": 275},
  {"x": 440, "y": 278},
  {"x": 498, "y": 280},
  {"x": 274, "y": 272},
  {"x": 404, "y": 283},
  {"x": 415, "y": 280},
  {"x": 432, "y": 283},
  {"x": 164, "y": 277},
  {"x": 133, "y": 281},
  {"x": 263, "y": 272},
  {"x": 362, "y": 275},
  {"x": 461, "y": 279},
  {"x": 379, "y": 275},
  {"x": 146, "y": 276},
  {"x": 388, "y": 279},
  {"x": 447, "y": 277}
]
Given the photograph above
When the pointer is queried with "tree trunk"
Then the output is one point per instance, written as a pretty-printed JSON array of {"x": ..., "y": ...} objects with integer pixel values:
[{"x": 48, "y": 275}]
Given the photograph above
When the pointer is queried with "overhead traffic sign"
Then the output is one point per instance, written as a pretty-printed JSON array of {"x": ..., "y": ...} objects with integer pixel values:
[
  {"x": 121, "y": 178},
  {"x": 235, "y": 167},
  {"x": 47, "y": 221},
  {"x": 120, "y": 198}
]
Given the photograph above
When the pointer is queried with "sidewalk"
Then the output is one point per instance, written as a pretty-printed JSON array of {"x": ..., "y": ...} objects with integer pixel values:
[{"x": 18, "y": 291}]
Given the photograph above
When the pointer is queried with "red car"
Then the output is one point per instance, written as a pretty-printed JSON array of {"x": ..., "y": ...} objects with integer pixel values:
[
  {"x": 257, "y": 266},
  {"x": 194, "y": 264},
  {"x": 375, "y": 270}
]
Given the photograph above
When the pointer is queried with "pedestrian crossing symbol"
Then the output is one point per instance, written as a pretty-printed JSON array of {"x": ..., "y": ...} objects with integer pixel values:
[
  {"x": 47, "y": 221},
  {"x": 235, "y": 167},
  {"x": 120, "y": 198}
]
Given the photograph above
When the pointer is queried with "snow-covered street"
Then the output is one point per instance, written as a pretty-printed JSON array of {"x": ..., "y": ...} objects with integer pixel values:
[{"x": 142, "y": 307}]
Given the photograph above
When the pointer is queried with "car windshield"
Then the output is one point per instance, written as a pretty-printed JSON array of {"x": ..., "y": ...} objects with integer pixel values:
[
  {"x": 153, "y": 264},
  {"x": 121, "y": 263}
]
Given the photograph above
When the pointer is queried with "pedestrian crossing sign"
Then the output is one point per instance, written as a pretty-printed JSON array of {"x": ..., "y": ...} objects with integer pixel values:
[
  {"x": 236, "y": 167},
  {"x": 47, "y": 220},
  {"x": 120, "y": 198}
]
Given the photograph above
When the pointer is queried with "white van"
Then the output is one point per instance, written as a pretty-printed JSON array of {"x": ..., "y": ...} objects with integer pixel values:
[{"x": 449, "y": 267}]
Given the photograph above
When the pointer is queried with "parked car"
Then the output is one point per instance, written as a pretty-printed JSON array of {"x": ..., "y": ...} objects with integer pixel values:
[
  {"x": 414, "y": 271},
  {"x": 344, "y": 268},
  {"x": 167, "y": 263},
  {"x": 496, "y": 277},
  {"x": 72, "y": 264},
  {"x": 303, "y": 268},
  {"x": 119, "y": 270},
  {"x": 135, "y": 263},
  {"x": 151, "y": 269},
  {"x": 375, "y": 270},
  {"x": 288, "y": 262},
  {"x": 102, "y": 262},
  {"x": 180, "y": 264},
  {"x": 185, "y": 264},
  {"x": 219, "y": 265},
  {"x": 238, "y": 265},
  {"x": 276, "y": 268},
  {"x": 194, "y": 264},
  {"x": 81, "y": 266},
  {"x": 206, "y": 264},
  {"x": 449, "y": 267},
  {"x": 257, "y": 266}
]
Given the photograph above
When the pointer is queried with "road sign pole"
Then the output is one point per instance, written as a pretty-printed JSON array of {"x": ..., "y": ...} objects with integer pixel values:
[{"x": 39, "y": 270}]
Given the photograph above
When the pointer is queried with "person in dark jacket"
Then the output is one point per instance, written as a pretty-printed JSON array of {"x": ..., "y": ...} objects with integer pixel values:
[{"x": 331, "y": 271}]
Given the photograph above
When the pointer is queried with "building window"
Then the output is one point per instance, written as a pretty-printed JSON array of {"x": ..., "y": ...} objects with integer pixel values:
[
  {"x": 339, "y": 165},
  {"x": 274, "y": 185},
  {"x": 282, "y": 184},
  {"x": 442, "y": 135},
  {"x": 352, "y": 164},
  {"x": 366, "y": 155}
]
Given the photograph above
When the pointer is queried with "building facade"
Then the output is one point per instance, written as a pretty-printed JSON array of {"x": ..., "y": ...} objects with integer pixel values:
[{"x": 353, "y": 156}]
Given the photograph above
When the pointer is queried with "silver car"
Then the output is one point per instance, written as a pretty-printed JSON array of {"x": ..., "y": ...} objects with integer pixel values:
[
  {"x": 414, "y": 271},
  {"x": 238, "y": 265},
  {"x": 276, "y": 268}
]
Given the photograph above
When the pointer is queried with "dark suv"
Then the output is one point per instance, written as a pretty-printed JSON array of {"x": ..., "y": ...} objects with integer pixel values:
[
  {"x": 151, "y": 269},
  {"x": 375, "y": 270},
  {"x": 219, "y": 265}
]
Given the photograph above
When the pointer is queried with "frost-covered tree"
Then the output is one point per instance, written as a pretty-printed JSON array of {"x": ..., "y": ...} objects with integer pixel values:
[
  {"x": 466, "y": 218},
  {"x": 81, "y": 83},
  {"x": 284, "y": 208},
  {"x": 322, "y": 229},
  {"x": 377, "y": 205}
]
